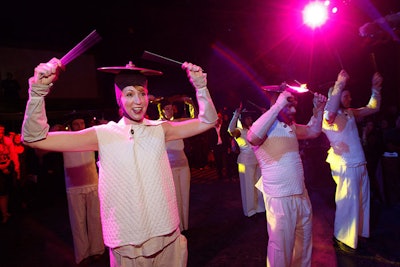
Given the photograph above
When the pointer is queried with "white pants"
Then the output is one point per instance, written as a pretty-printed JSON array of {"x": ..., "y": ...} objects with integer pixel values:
[
  {"x": 174, "y": 254},
  {"x": 182, "y": 189},
  {"x": 352, "y": 203},
  {"x": 84, "y": 216},
  {"x": 252, "y": 199},
  {"x": 289, "y": 224}
]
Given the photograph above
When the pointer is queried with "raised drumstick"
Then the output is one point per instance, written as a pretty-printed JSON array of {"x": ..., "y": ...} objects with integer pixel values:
[{"x": 81, "y": 47}]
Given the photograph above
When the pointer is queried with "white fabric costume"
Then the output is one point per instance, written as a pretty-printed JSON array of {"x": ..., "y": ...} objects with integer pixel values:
[
  {"x": 181, "y": 173},
  {"x": 138, "y": 220},
  {"x": 289, "y": 211},
  {"x": 136, "y": 190},
  {"x": 288, "y": 207},
  {"x": 249, "y": 173},
  {"x": 81, "y": 181},
  {"x": 348, "y": 167},
  {"x": 349, "y": 171}
]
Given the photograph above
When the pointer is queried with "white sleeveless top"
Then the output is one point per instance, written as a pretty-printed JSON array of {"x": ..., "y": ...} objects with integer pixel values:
[
  {"x": 346, "y": 148},
  {"x": 280, "y": 162},
  {"x": 246, "y": 155},
  {"x": 136, "y": 188}
]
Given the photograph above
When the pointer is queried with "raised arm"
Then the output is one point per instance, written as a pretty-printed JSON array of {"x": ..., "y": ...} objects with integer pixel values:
[
  {"x": 314, "y": 126},
  {"x": 258, "y": 131},
  {"x": 374, "y": 103},
  {"x": 332, "y": 106},
  {"x": 207, "y": 112},
  {"x": 232, "y": 128},
  {"x": 35, "y": 128}
]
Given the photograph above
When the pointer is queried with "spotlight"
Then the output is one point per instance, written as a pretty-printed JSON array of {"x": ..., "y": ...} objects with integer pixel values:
[{"x": 315, "y": 14}]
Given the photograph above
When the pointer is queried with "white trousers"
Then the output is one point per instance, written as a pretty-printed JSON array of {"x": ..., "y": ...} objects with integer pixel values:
[
  {"x": 352, "y": 199},
  {"x": 84, "y": 216},
  {"x": 174, "y": 254},
  {"x": 289, "y": 224},
  {"x": 182, "y": 189},
  {"x": 252, "y": 199}
]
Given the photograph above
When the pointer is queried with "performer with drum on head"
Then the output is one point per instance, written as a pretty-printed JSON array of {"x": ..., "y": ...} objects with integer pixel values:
[{"x": 139, "y": 212}]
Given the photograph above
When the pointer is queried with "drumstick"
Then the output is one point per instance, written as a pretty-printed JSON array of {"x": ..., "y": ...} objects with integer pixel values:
[
  {"x": 339, "y": 59},
  {"x": 160, "y": 59},
  {"x": 256, "y": 106},
  {"x": 81, "y": 47},
  {"x": 374, "y": 62}
]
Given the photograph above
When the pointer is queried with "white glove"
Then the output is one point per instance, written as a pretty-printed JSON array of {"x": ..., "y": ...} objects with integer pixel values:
[
  {"x": 38, "y": 90},
  {"x": 195, "y": 75},
  {"x": 207, "y": 111},
  {"x": 333, "y": 103},
  {"x": 377, "y": 80},
  {"x": 263, "y": 124},
  {"x": 35, "y": 126},
  {"x": 283, "y": 99},
  {"x": 319, "y": 101}
]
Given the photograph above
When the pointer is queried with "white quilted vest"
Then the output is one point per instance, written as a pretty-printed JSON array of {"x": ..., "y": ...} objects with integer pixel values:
[{"x": 136, "y": 188}]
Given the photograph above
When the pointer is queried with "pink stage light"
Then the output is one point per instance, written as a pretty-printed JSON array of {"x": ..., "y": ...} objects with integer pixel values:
[{"x": 315, "y": 14}]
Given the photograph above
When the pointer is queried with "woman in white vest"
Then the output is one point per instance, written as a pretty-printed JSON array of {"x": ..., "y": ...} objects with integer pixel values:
[{"x": 138, "y": 204}]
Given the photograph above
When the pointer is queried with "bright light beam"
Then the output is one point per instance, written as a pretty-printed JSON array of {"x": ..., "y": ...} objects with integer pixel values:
[{"x": 315, "y": 14}]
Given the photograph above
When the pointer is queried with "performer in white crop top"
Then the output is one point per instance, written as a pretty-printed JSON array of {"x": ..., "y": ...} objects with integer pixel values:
[
  {"x": 81, "y": 182},
  {"x": 248, "y": 167},
  {"x": 347, "y": 161},
  {"x": 274, "y": 139},
  {"x": 178, "y": 160}
]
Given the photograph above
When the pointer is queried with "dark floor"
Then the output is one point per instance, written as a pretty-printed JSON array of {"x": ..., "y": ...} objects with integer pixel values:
[{"x": 219, "y": 234}]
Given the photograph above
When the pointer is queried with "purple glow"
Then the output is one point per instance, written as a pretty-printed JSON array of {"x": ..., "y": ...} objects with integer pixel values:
[
  {"x": 81, "y": 47},
  {"x": 243, "y": 68},
  {"x": 236, "y": 62}
]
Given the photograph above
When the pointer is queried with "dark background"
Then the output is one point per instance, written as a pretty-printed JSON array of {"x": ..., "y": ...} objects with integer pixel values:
[{"x": 242, "y": 45}]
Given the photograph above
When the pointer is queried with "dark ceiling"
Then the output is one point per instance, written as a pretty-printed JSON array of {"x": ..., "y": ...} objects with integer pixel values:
[{"x": 241, "y": 44}]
